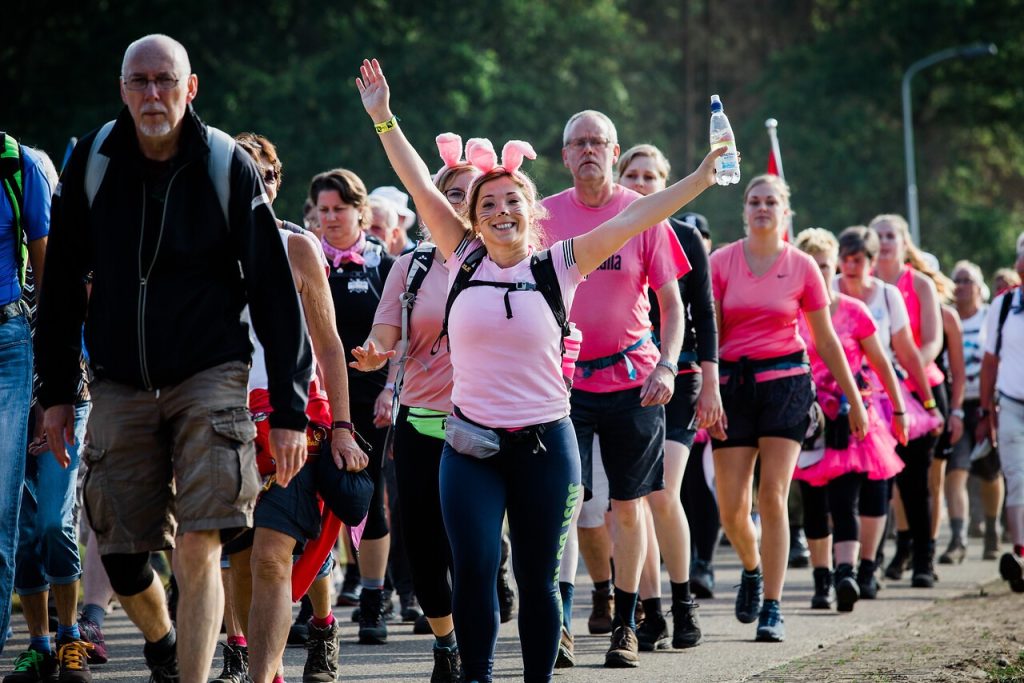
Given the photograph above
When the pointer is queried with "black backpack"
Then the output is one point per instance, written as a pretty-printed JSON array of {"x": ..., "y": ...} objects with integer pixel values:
[
  {"x": 1004, "y": 311},
  {"x": 543, "y": 270}
]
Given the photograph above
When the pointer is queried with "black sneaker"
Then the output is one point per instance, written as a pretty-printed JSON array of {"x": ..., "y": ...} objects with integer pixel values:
[
  {"x": 322, "y": 654},
  {"x": 867, "y": 581},
  {"x": 823, "y": 594},
  {"x": 73, "y": 661},
  {"x": 771, "y": 627},
  {"x": 566, "y": 658},
  {"x": 421, "y": 626},
  {"x": 702, "y": 579},
  {"x": 750, "y": 596},
  {"x": 1011, "y": 568},
  {"x": 387, "y": 605},
  {"x": 165, "y": 671},
  {"x": 447, "y": 666},
  {"x": 685, "y": 625},
  {"x": 652, "y": 633},
  {"x": 924, "y": 568},
  {"x": 847, "y": 590},
  {"x": 33, "y": 666},
  {"x": 799, "y": 553},
  {"x": 373, "y": 630},
  {"x": 624, "y": 650},
  {"x": 411, "y": 609},
  {"x": 236, "y": 665}
]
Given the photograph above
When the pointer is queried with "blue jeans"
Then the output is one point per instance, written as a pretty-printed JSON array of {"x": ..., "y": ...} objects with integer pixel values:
[
  {"x": 15, "y": 398},
  {"x": 48, "y": 549}
]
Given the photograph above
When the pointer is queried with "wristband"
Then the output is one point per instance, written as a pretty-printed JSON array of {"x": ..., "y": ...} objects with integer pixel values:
[
  {"x": 341, "y": 424},
  {"x": 929, "y": 404},
  {"x": 673, "y": 368},
  {"x": 386, "y": 126},
  {"x": 390, "y": 386},
  {"x": 899, "y": 412},
  {"x": 957, "y": 412},
  {"x": 983, "y": 413}
]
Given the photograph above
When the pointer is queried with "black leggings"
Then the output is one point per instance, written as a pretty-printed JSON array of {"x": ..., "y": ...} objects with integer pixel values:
[
  {"x": 700, "y": 506},
  {"x": 913, "y": 481},
  {"x": 417, "y": 467},
  {"x": 376, "y": 520},
  {"x": 845, "y": 498}
]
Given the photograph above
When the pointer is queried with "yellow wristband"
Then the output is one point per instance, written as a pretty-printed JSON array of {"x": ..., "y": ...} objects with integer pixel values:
[
  {"x": 386, "y": 126},
  {"x": 929, "y": 404}
]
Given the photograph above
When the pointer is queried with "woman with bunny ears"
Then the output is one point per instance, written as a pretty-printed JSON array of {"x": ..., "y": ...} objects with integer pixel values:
[{"x": 515, "y": 448}]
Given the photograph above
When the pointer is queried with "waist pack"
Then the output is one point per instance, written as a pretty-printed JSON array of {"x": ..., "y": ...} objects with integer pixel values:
[
  {"x": 837, "y": 432},
  {"x": 470, "y": 439}
]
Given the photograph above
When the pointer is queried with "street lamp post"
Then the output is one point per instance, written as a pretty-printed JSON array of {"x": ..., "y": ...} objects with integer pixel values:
[{"x": 965, "y": 52}]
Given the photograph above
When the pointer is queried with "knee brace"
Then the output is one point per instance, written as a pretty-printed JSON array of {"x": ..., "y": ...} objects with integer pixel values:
[{"x": 129, "y": 573}]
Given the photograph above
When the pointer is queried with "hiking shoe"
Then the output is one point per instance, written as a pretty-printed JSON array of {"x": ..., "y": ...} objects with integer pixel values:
[
  {"x": 955, "y": 553},
  {"x": 867, "y": 581},
  {"x": 348, "y": 596},
  {"x": 624, "y": 650},
  {"x": 702, "y": 579},
  {"x": 600, "y": 620},
  {"x": 991, "y": 551},
  {"x": 566, "y": 651},
  {"x": 387, "y": 605},
  {"x": 823, "y": 593},
  {"x": 750, "y": 596},
  {"x": 411, "y": 609},
  {"x": 33, "y": 666},
  {"x": 322, "y": 654},
  {"x": 771, "y": 627},
  {"x": 1011, "y": 568},
  {"x": 652, "y": 634},
  {"x": 73, "y": 661},
  {"x": 799, "y": 553},
  {"x": 685, "y": 625},
  {"x": 236, "y": 665},
  {"x": 447, "y": 666},
  {"x": 924, "y": 568},
  {"x": 900, "y": 561},
  {"x": 506, "y": 594},
  {"x": 421, "y": 626},
  {"x": 373, "y": 630},
  {"x": 298, "y": 633},
  {"x": 165, "y": 671},
  {"x": 91, "y": 632},
  {"x": 847, "y": 590}
]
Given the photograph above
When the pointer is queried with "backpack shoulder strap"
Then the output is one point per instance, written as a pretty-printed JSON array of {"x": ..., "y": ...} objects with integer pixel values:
[
  {"x": 12, "y": 174},
  {"x": 462, "y": 278},
  {"x": 419, "y": 266},
  {"x": 96, "y": 164},
  {"x": 1004, "y": 312},
  {"x": 222, "y": 149},
  {"x": 543, "y": 269}
]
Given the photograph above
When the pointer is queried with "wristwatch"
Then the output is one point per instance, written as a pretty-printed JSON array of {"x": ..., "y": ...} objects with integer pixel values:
[
  {"x": 673, "y": 368},
  {"x": 957, "y": 412}
]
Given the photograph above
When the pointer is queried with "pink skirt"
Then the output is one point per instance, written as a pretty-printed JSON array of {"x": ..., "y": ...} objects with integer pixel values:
[
  {"x": 874, "y": 455},
  {"x": 919, "y": 421}
]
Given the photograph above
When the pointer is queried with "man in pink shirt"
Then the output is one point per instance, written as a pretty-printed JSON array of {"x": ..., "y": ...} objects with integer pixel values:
[{"x": 622, "y": 379}]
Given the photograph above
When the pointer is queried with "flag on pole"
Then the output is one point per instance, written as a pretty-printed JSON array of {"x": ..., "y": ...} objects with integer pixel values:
[{"x": 775, "y": 167}]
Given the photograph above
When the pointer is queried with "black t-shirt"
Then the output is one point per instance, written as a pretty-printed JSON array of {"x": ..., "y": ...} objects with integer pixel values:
[{"x": 356, "y": 290}]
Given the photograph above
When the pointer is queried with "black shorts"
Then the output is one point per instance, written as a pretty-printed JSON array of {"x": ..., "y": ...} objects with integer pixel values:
[
  {"x": 775, "y": 408},
  {"x": 681, "y": 410},
  {"x": 632, "y": 439}
]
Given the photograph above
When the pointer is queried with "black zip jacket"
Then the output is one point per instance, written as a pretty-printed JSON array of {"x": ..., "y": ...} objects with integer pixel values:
[{"x": 170, "y": 278}]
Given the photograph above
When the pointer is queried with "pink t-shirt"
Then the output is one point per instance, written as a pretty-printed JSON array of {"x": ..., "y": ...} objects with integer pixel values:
[
  {"x": 612, "y": 309},
  {"x": 508, "y": 371},
  {"x": 759, "y": 314},
  {"x": 905, "y": 283},
  {"x": 853, "y": 323},
  {"x": 428, "y": 377}
]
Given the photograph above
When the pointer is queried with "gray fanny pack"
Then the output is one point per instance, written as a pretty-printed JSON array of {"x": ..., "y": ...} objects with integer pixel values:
[{"x": 470, "y": 439}]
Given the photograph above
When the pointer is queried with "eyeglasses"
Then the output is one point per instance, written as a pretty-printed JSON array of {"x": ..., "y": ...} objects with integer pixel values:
[
  {"x": 138, "y": 83},
  {"x": 581, "y": 144},
  {"x": 455, "y": 195},
  {"x": 270, "y": 176}
]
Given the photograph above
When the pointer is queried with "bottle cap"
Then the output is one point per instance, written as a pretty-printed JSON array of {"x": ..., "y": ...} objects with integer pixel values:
[{"x": 716, "y": 104}]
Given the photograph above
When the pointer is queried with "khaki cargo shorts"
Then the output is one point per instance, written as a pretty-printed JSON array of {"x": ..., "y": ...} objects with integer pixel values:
[{"x": 167, "y": 462}]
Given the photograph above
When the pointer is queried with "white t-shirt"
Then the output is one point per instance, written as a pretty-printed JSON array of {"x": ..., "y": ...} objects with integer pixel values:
[
  {"x": 974, "y": 343},
  {"x": 1010, "y": 378},
  {"x": 888, "y": 311}
]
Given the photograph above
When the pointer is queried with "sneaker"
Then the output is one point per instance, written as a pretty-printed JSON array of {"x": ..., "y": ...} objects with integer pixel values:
[
  {"x": 73, "y": 661},
  {"x": 421, "y": 626},
  {"x": 652, "y": 634},
  {"x": 506, "y": 594},
  {"x": 447, "y": 666},
  {"x": 823, "y": 596},
  {"x": 165, "y": 671},
  {"x": 702, "y": 579},
  {"x": 92, "y": 633},
  {"x": 799, "y": 553},
  {"x": 847, "y": 590},
  {"x": 624, "y": 650},
  {"x": 322, "y": 654},
  {"x": 33, "y": 666},
  {"x": 566, "y": 651},
  {"x": 749, "y": 597},
  {"x": 685, "y": 625},
  {"x": 236, "y": 665},
  {"x": 1011, "y": 568},
  {"x": 373, "y": 630},
  {"x": 955, "y": 553},
  {"x": 600, "y": 620},
  {"x": 771, "y": 627},
  {"x": 348, "y": 596}
]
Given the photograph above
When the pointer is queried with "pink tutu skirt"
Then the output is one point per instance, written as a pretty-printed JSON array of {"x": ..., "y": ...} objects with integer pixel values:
[
  {"x": 919, "y": 421},
  {"x": 874, "y": 455}
]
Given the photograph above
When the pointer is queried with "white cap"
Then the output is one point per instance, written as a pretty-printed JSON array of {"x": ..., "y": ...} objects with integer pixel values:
[{"x": 401, "y": 202}]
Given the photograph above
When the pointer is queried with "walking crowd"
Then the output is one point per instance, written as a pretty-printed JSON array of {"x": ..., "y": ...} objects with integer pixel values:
[{"x": 496, "y": 385}]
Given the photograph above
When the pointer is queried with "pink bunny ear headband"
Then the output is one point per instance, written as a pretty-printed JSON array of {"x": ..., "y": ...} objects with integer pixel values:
[{"x": 480, "y": 153}]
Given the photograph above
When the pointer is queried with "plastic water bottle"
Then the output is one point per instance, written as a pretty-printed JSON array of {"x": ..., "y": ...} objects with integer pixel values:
[{"x": 727, "y": 166}]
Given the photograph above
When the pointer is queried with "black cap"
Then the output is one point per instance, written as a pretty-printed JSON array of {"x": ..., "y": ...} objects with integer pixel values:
[{"x": 697, "y": 220}]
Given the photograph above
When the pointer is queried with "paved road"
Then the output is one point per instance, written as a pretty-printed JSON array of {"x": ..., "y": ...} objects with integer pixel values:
[{"x": 728, "y": 654}]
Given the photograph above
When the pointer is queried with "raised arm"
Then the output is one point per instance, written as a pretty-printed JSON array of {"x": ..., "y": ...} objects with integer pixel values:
[
  {"x": 446, "y": 228},
  {"x": 593, "y": 248}
]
